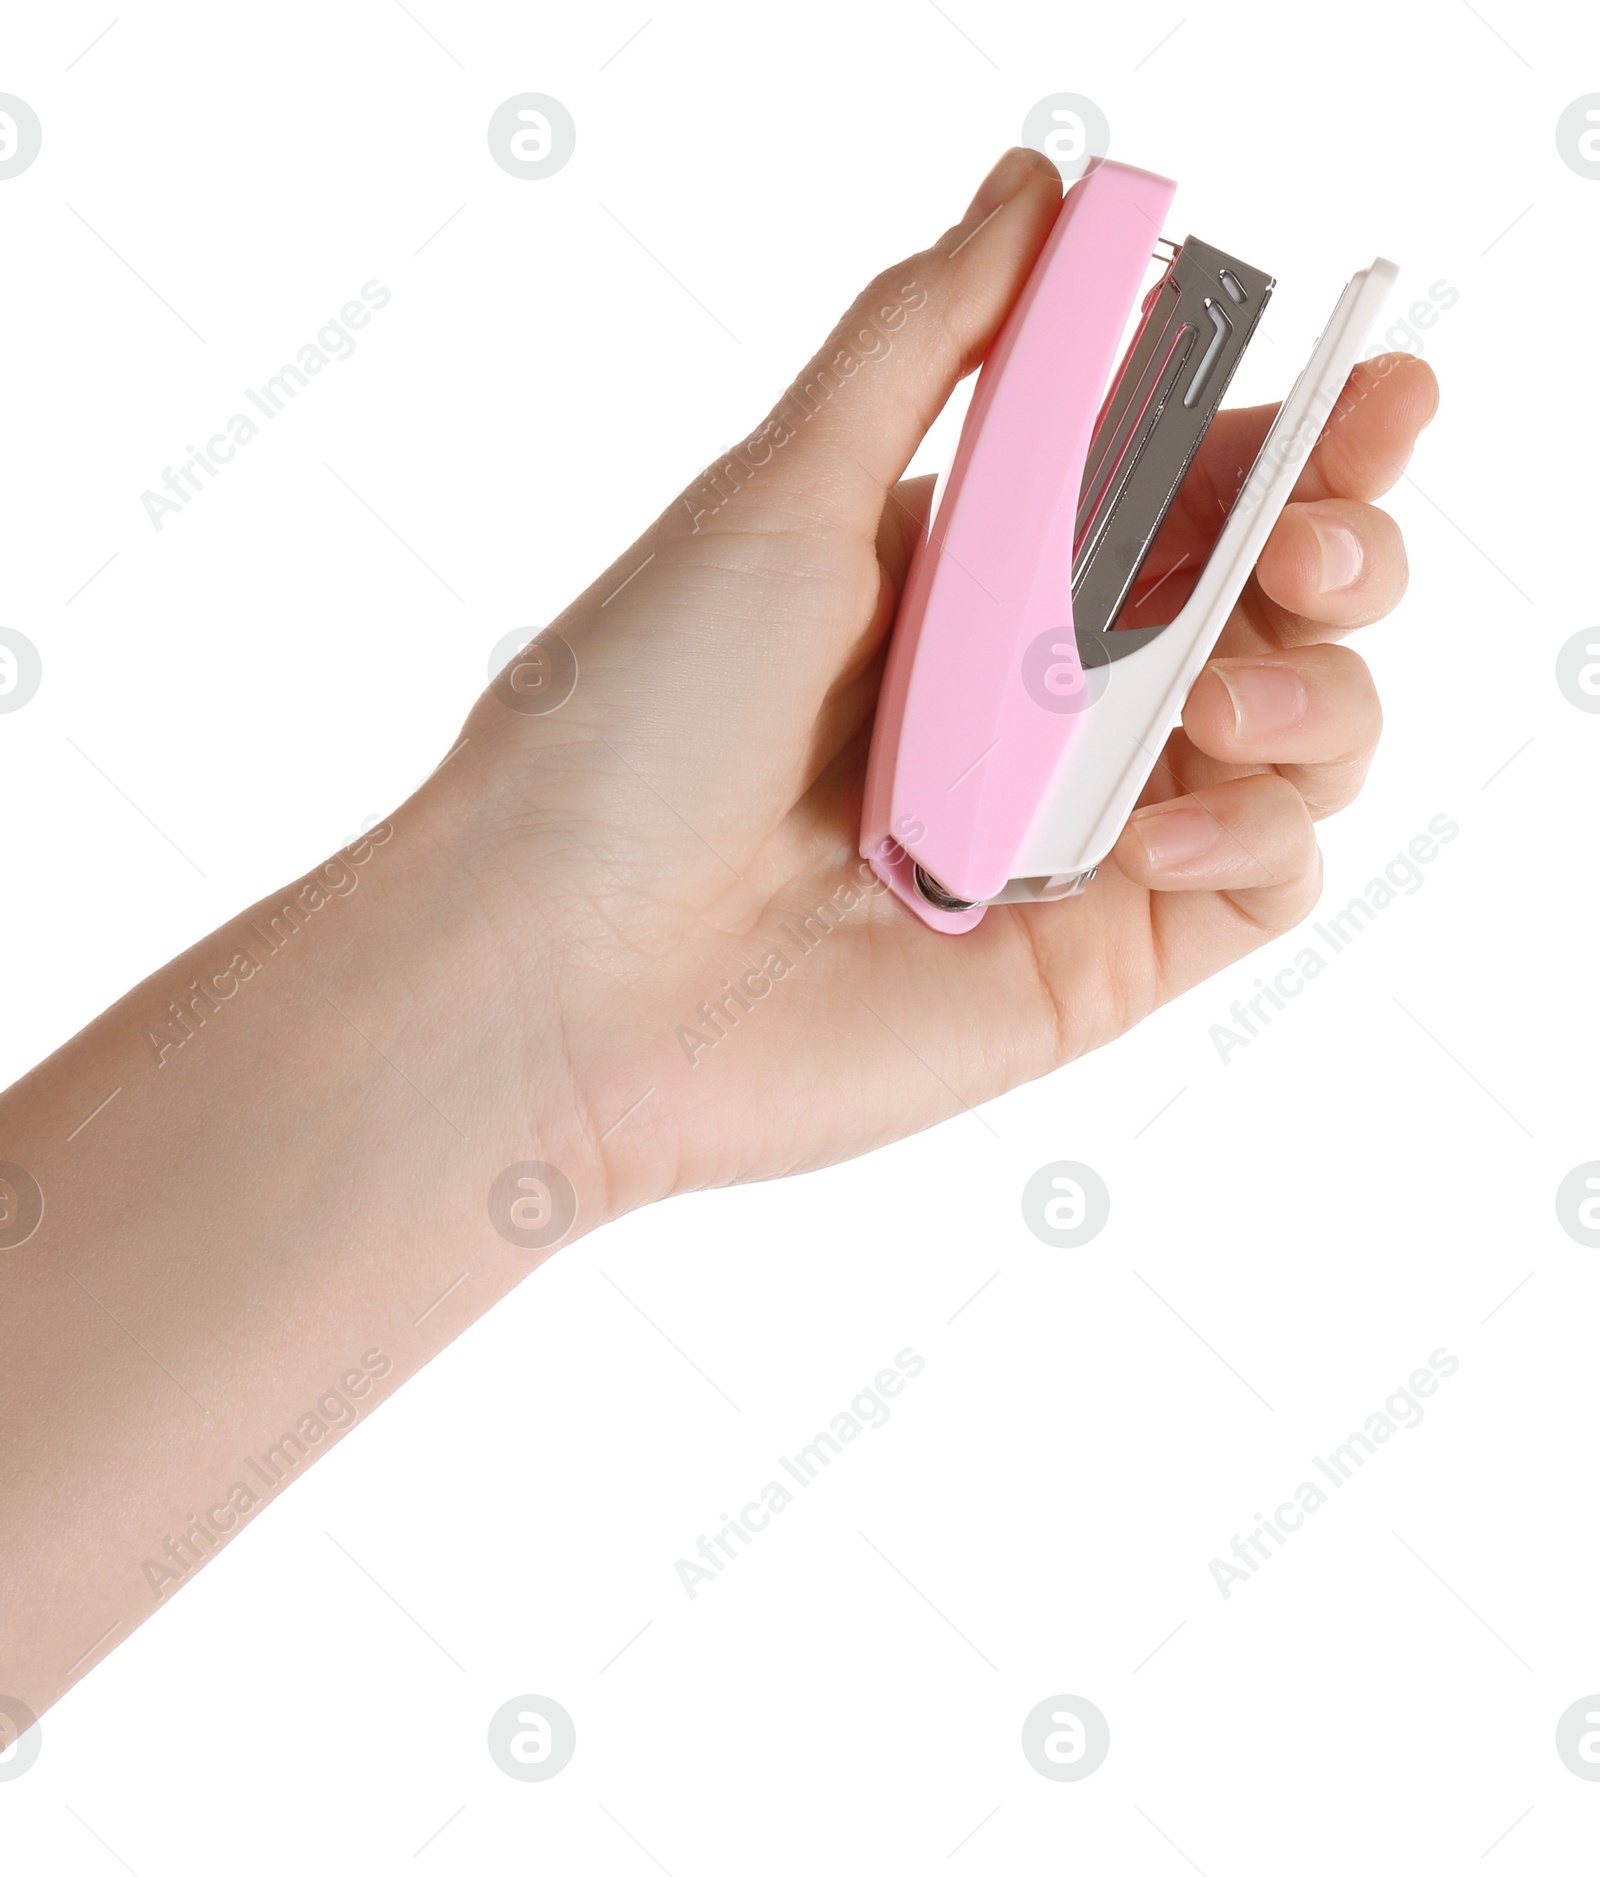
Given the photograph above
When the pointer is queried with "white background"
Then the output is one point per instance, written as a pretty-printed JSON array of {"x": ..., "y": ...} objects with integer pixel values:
[{"x": 1363, "y": 1184}]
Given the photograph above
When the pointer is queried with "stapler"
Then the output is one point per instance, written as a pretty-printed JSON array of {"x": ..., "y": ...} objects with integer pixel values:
[{"x": 1021, "y": 712}]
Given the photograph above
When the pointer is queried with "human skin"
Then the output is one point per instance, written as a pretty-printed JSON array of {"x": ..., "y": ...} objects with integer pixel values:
[{"x": 517, "y": 972}]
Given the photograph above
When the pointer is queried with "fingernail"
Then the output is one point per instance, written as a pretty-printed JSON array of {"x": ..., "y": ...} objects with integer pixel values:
[
  {"x": 1265, "y": 697},
  {"x": 1342, "y": 559},
  {"x": 1175, "y": 833},
  {"x": 1001, "y": 184}
]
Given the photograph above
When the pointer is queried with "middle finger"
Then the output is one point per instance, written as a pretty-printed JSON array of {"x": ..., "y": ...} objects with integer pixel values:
[{"x": 1327, "y": 568}]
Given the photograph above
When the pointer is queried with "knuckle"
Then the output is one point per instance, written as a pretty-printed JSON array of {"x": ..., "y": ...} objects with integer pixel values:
[{"x": 1289, "y": 815}]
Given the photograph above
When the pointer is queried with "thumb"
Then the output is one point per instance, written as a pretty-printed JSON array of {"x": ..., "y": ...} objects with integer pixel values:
[{"x": 845, "y": 429}]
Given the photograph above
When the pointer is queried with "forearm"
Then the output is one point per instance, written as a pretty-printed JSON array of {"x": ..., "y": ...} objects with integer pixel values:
[{"x": 277, "y": 1212}]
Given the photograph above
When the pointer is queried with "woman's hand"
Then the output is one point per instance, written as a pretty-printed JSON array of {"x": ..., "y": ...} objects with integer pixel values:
[
  {"x": 661, "y": 873},
  {"x": 628, "y": 937}
]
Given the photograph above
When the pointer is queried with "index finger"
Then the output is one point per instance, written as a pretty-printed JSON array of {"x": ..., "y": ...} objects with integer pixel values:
[{"x": 1364, "y": 446}]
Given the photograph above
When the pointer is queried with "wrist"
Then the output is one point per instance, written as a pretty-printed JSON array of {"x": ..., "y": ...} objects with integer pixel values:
[{"x": 457, "y": 965}]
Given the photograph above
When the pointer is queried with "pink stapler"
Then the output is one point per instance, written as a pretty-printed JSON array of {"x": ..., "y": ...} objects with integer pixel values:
[{"x": 1019, "y": 720}]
